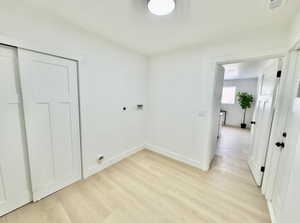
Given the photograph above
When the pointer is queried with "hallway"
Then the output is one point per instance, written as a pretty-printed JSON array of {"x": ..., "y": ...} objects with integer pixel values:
[
  {"x": 231, "y": 162},
  {"x": 232, "y": 152}
]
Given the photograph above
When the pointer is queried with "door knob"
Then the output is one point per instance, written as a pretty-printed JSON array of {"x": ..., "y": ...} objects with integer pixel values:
[{"x": 280, "y": 144}]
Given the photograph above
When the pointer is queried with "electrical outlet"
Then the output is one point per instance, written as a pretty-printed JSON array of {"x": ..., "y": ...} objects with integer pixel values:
[
  {"x": 140, "y": 107},
  {"x": 100, "y": 158}
]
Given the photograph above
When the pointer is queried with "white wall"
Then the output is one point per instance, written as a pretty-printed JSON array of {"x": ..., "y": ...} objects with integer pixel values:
[
  {"x": 110, "y": 77},
  {"x": 234, "y": 111},
  {"x": 294, "y": 34},
  {"x": 181, "y": 85}
]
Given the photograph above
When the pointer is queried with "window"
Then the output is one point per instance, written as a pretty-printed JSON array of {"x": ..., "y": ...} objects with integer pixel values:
[{"x": 228, "y": 96}]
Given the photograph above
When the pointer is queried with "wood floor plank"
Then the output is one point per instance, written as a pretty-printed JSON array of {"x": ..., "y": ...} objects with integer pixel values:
[{"x": 148, "y": 187}]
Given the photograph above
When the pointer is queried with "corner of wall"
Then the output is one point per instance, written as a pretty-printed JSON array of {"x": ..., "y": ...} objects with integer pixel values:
[{"x": 176, "y": 156}]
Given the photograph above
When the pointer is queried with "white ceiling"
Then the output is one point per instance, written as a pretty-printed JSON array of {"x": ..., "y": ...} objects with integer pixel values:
[
  {"x": 128, "y": 23},
  {"x": 244, "y": 70}
]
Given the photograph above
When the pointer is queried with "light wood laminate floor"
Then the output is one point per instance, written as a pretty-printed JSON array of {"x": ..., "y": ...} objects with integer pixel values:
[{"x": 150, "y": 188}]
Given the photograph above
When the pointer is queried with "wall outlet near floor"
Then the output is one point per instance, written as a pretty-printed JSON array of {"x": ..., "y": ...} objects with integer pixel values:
[{"x": 101, "y": 157}]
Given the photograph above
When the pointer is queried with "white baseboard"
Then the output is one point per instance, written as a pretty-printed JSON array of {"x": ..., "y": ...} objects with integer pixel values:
[
  {"x": 272, "y": 214},
  {"x": 95, "y": 169},
  {"x": 175, "y": 156}
]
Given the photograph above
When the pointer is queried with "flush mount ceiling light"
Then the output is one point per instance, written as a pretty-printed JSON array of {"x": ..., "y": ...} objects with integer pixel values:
[{"x": 161, "y": 7}]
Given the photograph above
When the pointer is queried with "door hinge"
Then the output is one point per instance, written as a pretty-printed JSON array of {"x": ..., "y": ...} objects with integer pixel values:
[
  {"x": 253, "y": 122},
  {"x": 279, "y": 74},
  {"x": 262, "y": 169}
]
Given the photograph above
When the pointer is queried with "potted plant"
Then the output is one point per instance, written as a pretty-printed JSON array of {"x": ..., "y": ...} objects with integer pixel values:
[{"x": 245, "y": 100}]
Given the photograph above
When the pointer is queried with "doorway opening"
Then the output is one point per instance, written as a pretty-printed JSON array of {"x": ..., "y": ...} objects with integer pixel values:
[{"x": 246, "y": 94}]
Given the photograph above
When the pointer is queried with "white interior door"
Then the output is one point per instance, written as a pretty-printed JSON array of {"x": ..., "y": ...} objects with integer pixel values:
[
  {"x": 263, "y": 117},
  {"x": 286, "y": 199},
  {"x": 220, "y": 71},
  {"x": 15, "y": 189},
  {"x": 50, "y": 96}
]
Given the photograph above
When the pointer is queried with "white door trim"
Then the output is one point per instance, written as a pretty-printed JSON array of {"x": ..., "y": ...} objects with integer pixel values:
[
  {"x": 271, "y": 211},
  {"x": 6, "y": 40}
]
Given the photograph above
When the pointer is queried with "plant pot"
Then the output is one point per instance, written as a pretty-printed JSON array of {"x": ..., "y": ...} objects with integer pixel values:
[{"x": 243, "y": 125}]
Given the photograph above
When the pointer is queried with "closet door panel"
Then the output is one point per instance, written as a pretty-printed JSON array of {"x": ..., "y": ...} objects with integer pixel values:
[
  {"x": 15, "y": 188},
  {"x": 50, "y": 97},
  {"x": 63, "y": 153}
]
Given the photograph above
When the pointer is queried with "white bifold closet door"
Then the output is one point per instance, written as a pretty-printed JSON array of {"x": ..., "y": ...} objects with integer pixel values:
[
  {"x": 50, "y": 95},
  {"x": 15, "y": 188}
]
